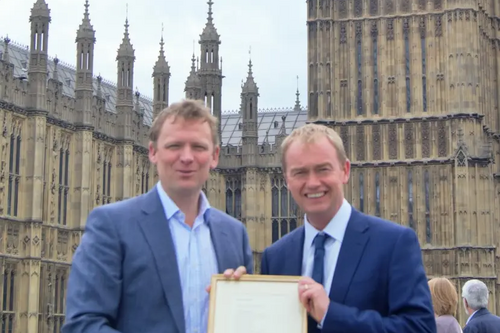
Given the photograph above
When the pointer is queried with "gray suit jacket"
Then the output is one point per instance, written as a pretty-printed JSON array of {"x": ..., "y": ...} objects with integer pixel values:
[{"x": 124, "y": 276}]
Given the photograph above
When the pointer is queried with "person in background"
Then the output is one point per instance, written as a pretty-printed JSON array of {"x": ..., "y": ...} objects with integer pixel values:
[
  {"x": 362, "y": 274},
  {"x": 445, "y": 302},
  {"x": 475, "y": 297},
  {"x": 144, "y": 264}
]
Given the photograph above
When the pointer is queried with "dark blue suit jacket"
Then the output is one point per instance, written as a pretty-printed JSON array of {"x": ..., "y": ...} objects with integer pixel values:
[
  {"x": 124, "y": 276},
  {"x": 379, "y": 284},
  {"x": 483, "y": 322}
]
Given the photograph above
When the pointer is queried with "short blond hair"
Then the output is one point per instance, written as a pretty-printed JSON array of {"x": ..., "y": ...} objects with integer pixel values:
[
  {"x": 444, "y": 296},
  {"x": 309, "y": 133},
  {"x": 187, "y": 109}
]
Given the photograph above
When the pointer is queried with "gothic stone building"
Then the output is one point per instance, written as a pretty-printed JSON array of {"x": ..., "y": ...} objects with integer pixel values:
[{"x": 411, "y": 86}]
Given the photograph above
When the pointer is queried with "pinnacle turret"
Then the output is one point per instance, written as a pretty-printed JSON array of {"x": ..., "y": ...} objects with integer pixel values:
[
  {"x": 250, "y": 86},
  {"x": 161, "y": 65},
  {"x": 86, "y": 29},
  {"x": 210, "y": 34},
  {"x": 126, "y": 49},
  {"x": 40, "y": 9}
]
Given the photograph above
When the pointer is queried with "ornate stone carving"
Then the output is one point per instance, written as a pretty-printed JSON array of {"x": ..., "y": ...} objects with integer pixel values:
[
  {"x": 438, "y": 4},
  {"x": 393, "y": 141},
  {"x": 343, "y": 33},
  {"x": 344, "y": 134},
  {"x": 373, "y": 7},
  {"x": 359, "y": 31},
  {"x": 376, "y": 142},
  {"x": 358, "y": 8},
  {"x": 374, "y": 30},
  {"x": 422, "y": 27},
  {"x": 405, "y": 6},
  {"x": 389, "y": 7},
  {"x": 426, "y": 140},
  {"x": 13, "y": 238},
  {"x": 406, "y": 26},
  {"x": 409, "y": 142},
  {"x": 390, "y": 29},
  {"x": 422, "y": 4},
  {"x": 342, "y": 8},
  {"x": 360, "y": 143},
  {"x": 442, "y": 139},
  {"x": 3, "y": 173},
  {"x": 62, "y": 245},
  {"x": 438, "y": 27}
]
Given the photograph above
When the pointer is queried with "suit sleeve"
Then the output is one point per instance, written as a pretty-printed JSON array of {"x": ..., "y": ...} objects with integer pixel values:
[
  {"x": 247, "y": 251},
  {"x": 409, "y": 300},
  {"x": 264, "y": 270},
  {"x": 95, "y": 280}
]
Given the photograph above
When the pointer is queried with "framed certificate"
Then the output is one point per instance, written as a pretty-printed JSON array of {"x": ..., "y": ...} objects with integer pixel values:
[{"x": 256, "y": 304}]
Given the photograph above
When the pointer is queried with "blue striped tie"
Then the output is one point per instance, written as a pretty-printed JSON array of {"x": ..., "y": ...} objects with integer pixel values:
[{"x": 319, "y": 258}]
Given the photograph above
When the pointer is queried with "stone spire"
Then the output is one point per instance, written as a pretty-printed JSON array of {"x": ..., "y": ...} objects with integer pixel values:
[
  {"x": 125, "y": 85},
  {"x": 193, "y": 83},
  {"x": 161, "y": 80},
  {"x": 37, "y": 71},
  {"x": 250, "y": 107},
  {"x": 85, "y": 40},
  {"x": 6, "y": 56},
  {"x": 210, "y": 34},
  {"x": 297, "y": 101}
]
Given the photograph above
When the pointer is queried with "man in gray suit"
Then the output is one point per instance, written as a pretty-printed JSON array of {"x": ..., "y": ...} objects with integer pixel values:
[
  {"x": 475, "y": 297},
  {"x": 144, "y": 264}
]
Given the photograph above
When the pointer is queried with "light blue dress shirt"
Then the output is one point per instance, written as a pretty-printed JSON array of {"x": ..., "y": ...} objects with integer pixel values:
[
  {"x": 196, "y": 260},
  {"x": 335, "y": 229}
]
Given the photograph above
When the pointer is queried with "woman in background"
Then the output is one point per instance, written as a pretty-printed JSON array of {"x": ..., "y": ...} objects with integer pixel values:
[{"x": 445, "y": 302}]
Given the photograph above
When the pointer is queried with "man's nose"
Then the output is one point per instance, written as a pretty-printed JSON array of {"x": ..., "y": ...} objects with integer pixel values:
[
  {"x": 313, "y": 180},
  {"x": 186, "y": 155}
]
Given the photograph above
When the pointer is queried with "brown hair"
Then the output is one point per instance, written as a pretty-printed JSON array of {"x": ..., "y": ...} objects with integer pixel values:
[
  {"x": 310, "y": 133},
  {"x": 187, "y": 109},
  {"x": 444, "y": 296}
]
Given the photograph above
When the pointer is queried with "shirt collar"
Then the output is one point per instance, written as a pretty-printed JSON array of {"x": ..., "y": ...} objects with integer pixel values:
[
  {"x": 171, "y": 208},
  {"x": 335, "y": 228}
]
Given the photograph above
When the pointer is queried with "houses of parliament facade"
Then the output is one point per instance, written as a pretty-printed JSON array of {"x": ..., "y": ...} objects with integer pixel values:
[{"x": 412, "y": 87}]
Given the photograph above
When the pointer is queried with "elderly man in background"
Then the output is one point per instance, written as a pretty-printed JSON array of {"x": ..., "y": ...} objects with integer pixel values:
[{"x": 475, "y": 298}]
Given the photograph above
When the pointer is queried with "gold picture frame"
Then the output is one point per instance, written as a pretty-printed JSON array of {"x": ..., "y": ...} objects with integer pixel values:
[{"x": 256, "y": 303}]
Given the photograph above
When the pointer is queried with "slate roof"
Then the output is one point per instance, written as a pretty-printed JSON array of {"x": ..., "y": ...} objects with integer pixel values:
[{"x": 269, "y": 120}]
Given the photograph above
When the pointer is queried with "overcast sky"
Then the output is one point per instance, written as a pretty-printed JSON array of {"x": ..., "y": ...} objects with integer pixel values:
[{"x": 274, "y": 29}]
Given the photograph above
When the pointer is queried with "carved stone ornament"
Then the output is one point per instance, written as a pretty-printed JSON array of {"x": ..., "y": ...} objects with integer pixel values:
[
  {"x": 405, "y": 5},
  {"x": 344, "y": 134},
  {"x": 409, "y": 142},
  {"x": 438, "y": 4},
  {"x": 442, "y": 140},
  {"x": 376, "y": 142},
  {"x": 343, "y": 33},
  {"x": 426, "y": 140},
  {"x": 342, "y": 8},
  {"x": 393, "y": 141},
  {"x": 360, "y": 142},
  {"x": 389, "y": 7},
  {"x": 373, "y": 7},
  {"x": 358, "y": 8},
  {"x": 390, "y": 29},
  {"x": 422, "y": 4}
]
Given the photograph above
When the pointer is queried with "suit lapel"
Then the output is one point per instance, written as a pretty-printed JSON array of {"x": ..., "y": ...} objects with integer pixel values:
[
  {"x": 353, "y": 245},
  {"x": 294, "y": 256},
  {"x": 219, "y": 240},
  {"x": 157, "y": 233}
]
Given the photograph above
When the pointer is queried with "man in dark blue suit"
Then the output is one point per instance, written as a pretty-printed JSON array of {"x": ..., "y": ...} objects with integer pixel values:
[
  {"x": 362, "y": 274},
  {"x": 144, "y": 264},
  {"x": 475, "y": 296}
]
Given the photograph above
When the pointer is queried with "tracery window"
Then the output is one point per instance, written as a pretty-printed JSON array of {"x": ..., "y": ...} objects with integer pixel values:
[
  {"x": 59, "y": 299},
  {"x": 63, "y": 192},
  {"x": 424, "y": 64},
  {"x": 8, "y": 299},
  {"x": 375, "y": 69},
  {"x": 359, "y": 64},
  {"x": 14, "y": 172},
  {"x": 145, "y": 175},
  {"x": 428, "y": 234},
  {"x": 406, "y": 33},
  {"x": 107, "y": 176},
  {"x": 361, "y": 193},
  {"x": 233, "y": 197},
  {"x": 411, "y": 222},
  {"x": 284, "y": 209}
]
